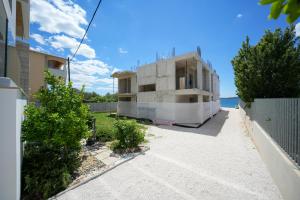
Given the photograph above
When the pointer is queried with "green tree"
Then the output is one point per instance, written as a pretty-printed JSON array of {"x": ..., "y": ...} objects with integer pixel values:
[
  {"x": 269, "y": 69},
  {"x": 52, "y": 131},
  {"x": 94, "y": 97},
  {"x": 289, "y": 7}
]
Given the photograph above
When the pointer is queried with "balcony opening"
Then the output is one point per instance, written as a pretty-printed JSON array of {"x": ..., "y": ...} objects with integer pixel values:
[
  {"x": 124, "y": 85},
  {"x": 54, "y": 64},
  {"x": 186, "y": 74},
  {"x": 147, "y": 88},
  {"x": 124, "y": 98},
  {"x": 206, "y": 98},
  {"x": 186, "y": 98}
]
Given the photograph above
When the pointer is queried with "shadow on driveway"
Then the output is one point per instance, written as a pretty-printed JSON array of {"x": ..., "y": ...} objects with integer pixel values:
[{"x": 212, "y": 127}]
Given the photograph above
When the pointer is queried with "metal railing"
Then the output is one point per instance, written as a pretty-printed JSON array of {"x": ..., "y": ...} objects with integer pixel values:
[{"x": 280, "y": 118}]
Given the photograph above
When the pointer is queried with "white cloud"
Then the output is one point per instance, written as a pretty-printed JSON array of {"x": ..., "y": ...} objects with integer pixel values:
[
  {"x": 85, "y": 50},
  {"x": 65, "y": 22},
  {"x": 38, "y": 38},
  {"x": 239, "y": 16},
  {"x": 61, "y": 42},
  {"x": 106, "y": 80},
  {"x": 37, "y": 48},
  {"x": 91, "y": 67},
  {"x": 297, "y": 29},
  {"x": 80, "y": 80},
  {"x": 61, "y": 16},
  {"x": 58, "y": 16},
  {"x": 122, "y": 51},
  {"x": 93, "y": 74}
]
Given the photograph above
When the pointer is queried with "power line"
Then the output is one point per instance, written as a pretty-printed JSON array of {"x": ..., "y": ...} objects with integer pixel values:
[{"x": 86, "y": 30}]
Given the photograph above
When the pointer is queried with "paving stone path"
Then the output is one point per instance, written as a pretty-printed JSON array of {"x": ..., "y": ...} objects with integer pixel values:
[{"x": 215, "y": 161}]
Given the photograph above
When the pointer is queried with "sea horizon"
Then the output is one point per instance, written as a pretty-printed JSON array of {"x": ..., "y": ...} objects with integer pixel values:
[{"x": 229, "y": 102}]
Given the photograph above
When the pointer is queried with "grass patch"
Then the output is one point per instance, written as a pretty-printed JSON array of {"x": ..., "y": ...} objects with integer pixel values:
[{"x": 105, "y": 122}]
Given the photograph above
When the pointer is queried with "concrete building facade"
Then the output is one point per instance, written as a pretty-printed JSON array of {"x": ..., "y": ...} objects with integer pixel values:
[
  {"x": 36, "y": 63},
  {"x": 17, "y": 61},
  {"x": 181, "y": 89}
]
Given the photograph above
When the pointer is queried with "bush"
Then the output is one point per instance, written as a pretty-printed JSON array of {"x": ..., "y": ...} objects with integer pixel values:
[
  {"x": 128, "y": 134},
  {"x": 105, "y": 134},
  {"x": 45, "y": 173},
  {"x": 52, "y": 133},
  {"x": 271, "y": 68}
]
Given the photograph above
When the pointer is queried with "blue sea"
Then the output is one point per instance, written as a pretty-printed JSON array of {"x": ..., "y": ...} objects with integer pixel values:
[{"x": 229, "y": 102}]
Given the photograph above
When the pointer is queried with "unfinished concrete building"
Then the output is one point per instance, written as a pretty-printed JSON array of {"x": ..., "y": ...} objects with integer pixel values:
[{"x": 182, "y": 89}]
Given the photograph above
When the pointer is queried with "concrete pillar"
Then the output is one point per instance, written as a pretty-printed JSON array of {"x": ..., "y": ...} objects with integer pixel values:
[
  {"x": 23, "y": 56},
  {"x": 199, "y": 75},
  {"x": 119, "y": 86},
  {"x": 12, "y": 104},
  {"x": 209, "y": 81},
  {"x": 200, "y": 102}
]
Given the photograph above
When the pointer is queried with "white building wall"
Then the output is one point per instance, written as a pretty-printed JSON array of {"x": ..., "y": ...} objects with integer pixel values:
[
  {"x": 166, "y": 96},
  {"x": 148, "y": 97},
  {"x": 146, "y": 74},
  {"x": 134, "y": 88},
  {"x": 166, "y": 75},
  {"x": 11, "y": 116},
  {"x": 216, "y": 87}
]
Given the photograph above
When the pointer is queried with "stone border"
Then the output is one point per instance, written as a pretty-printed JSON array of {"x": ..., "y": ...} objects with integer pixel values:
[{"x": 108, "y": 168}]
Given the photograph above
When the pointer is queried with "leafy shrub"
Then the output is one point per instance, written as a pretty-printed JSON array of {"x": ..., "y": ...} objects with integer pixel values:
[
  {"x": 128, "y": 134},
  {"x": 269, "y": 69},
  {"x": 45, "y": 172},
  {"x": 105, "y": 134},
  {"x": 90, "y": 121},
  {"x": 52, "y": 132}
]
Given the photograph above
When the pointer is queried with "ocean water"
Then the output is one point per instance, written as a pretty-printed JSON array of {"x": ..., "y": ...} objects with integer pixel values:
[{"x": 229, "y": 102}]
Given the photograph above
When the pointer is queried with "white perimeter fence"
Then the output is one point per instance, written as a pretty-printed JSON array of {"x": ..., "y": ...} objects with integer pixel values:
[
  {"x": 280, "y": 119},
  {"x": 103, "y": 107},
  {"x": 174, "y": 112},
  {"x": 274, "y": 126}
]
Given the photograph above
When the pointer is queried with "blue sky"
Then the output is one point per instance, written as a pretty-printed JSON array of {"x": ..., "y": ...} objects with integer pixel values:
[{"x": 125, "y": 31}]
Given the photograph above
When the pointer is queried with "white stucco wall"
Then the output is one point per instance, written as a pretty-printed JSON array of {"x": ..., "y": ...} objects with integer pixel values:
[{"x": 11, "y": 116}]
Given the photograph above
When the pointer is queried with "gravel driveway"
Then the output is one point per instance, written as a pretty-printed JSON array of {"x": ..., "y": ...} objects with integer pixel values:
[{"x": 215, "y": 161}]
